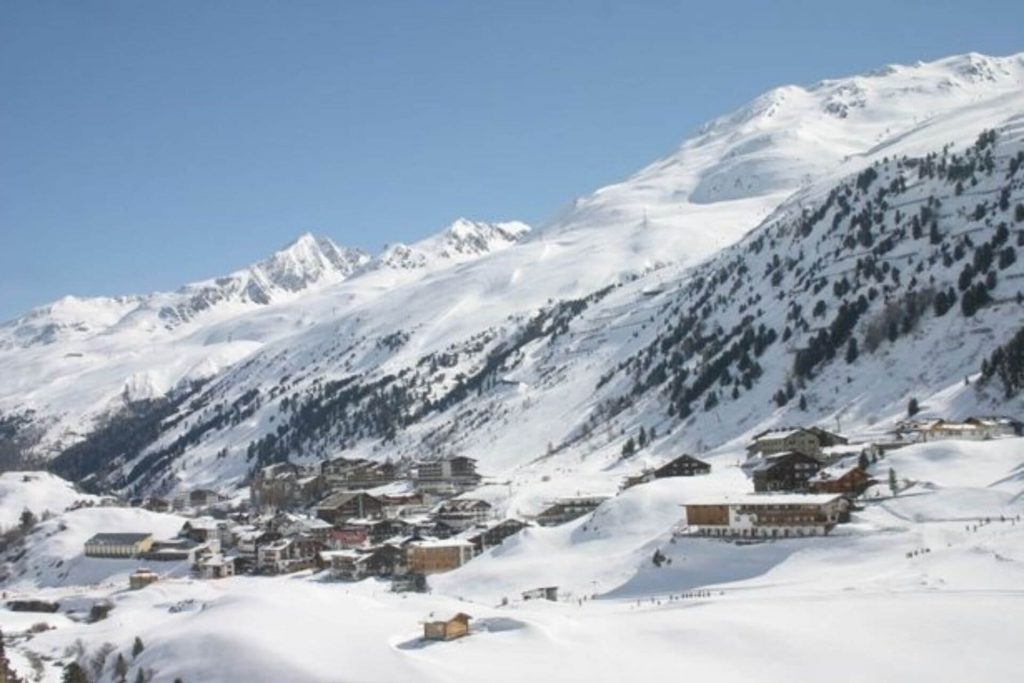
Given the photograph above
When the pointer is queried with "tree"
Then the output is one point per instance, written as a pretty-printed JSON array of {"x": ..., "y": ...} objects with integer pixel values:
[
  {"x": 99, "y": 660},
  {"x": 862, "y": 461},
  {"x": 913, "y": 408},
  {"x": 628, "y": 448},
  {"x": 851, "y": 350},
  {"x": 803, "y": 403},
  {"x": 137, "y": 647},
  {"x": 892, "y": 481},
  {"x": 121, "y": 668},
  {"x": 73, "y": 673},
  {"x": 642, "y": 438},
  {"x": 27, "y": 520},
  {"x": 140, "y": 677}
]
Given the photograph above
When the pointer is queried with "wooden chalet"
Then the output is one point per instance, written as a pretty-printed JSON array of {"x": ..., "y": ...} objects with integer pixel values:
[
  {"x": 437, "y": 556},
  {"x": 851, "y": 481},
  {"x": 341, "y": 506},
  {"x": 809, "y": 441},
  {"x": 462, "y": 513},
  {"x": 682, "y": 466},
  {"x": 567, "y": 509},
  {"x": 785, "y": 472},
  {"x": 493, "y": 534},
  {"x": 456, "y": 627}
]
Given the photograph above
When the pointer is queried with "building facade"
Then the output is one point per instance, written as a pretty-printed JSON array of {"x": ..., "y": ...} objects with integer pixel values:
[
  {"x": 434, "y": 557},
  {"x": 118, "y": 545},
  {"x": 767, "y": 516}
]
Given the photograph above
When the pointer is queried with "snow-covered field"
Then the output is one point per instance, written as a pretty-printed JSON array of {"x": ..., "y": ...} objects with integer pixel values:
[{"x": 924, "y": 585}]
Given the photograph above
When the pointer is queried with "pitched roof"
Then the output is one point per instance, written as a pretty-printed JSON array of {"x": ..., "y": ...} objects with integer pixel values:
[
  {"x": 118, "y": 539},
  {"x": 769, "y": 499},
  {"x": 339, "y": 498},
  {"x": 463, "y": 505}
]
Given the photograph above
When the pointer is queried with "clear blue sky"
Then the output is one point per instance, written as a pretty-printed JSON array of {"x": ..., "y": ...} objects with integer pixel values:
[{"x": 147, "y": 144}]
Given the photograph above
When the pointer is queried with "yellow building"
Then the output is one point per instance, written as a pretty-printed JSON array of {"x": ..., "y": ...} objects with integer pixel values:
[{"x": 118, "y": 545}]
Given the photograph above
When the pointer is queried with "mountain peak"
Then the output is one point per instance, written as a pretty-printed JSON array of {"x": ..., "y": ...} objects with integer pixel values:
[{"x": 462, "y": 240}]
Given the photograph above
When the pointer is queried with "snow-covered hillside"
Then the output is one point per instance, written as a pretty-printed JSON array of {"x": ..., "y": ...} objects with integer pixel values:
[
  {"x": 37, "y": 492},
  {"x": 691, "y": 298},
  {"x": 72, "y": 364},
  {"x": 935, "y": 571}
]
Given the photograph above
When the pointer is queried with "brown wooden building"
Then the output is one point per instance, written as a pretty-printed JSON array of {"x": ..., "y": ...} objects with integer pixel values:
[
  {"x": 456, "y": 627},
  {"x": 341, "y": 506},
  {"x": 435, "y": 556},
  {"x": 683, "y": 466},
  {"x": 808, "y": 441},
  {"x": 779, "y": 515},
  {"x": 850, "y": 481},
  {"x": 785, "y": 472}
]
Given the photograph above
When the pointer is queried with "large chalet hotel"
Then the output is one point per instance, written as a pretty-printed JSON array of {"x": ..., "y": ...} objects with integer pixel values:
[{"x": 779, "y": 515}]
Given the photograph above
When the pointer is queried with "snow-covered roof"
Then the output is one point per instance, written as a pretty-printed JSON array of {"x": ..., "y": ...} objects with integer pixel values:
[
  {"x": 836, "y": 471},
  {"x": 769, "y": 499},
  {"x": 327, "y": 555},
  {"x": 118, "y": 538},
  {"x": 441, "y": 543}
]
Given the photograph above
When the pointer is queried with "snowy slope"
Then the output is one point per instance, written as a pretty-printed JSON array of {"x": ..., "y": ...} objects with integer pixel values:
[
  {"x": 451, "y": 344},
  {"x": 38, "y": 492},
  {"x": 946, "y": 587},
  {"x": 74, "y": 362},
  {"x": 455, "y": 361},
  {"x": 55, "y": 555}
]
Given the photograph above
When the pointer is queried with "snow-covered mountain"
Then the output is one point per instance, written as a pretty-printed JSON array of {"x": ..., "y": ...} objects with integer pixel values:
[
  {"x": 78, "y": 360},
  {"x": 706, "y": 274},
  {"x": 464, "y": 240},
  {"x": 306, "y": 264}
]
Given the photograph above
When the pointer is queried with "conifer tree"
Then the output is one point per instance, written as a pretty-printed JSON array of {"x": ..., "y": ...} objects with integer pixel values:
[
  {"x": 851, "y": 350},
  {"x": 73, "y": 673},
  {"x": 913, "y": 408}
]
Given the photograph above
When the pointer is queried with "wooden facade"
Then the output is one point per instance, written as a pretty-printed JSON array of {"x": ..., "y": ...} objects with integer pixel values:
[
  {"x": 456, "y": 627},
  {"x": 339, "y": 507},
  {"x": 683, "y": 466},
  {"x": 768, "y": 516},
  {"x": 851, "y": 482},
  {"x": 785, "y": 472},
  {"x": 434, "y": 557},
  {"x": 809, "y": 441}
]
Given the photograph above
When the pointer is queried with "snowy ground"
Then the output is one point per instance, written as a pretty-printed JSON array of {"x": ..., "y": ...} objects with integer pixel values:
[
  {"x": 925, "y": 585},
  {"x": 37, "y": 492}
]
